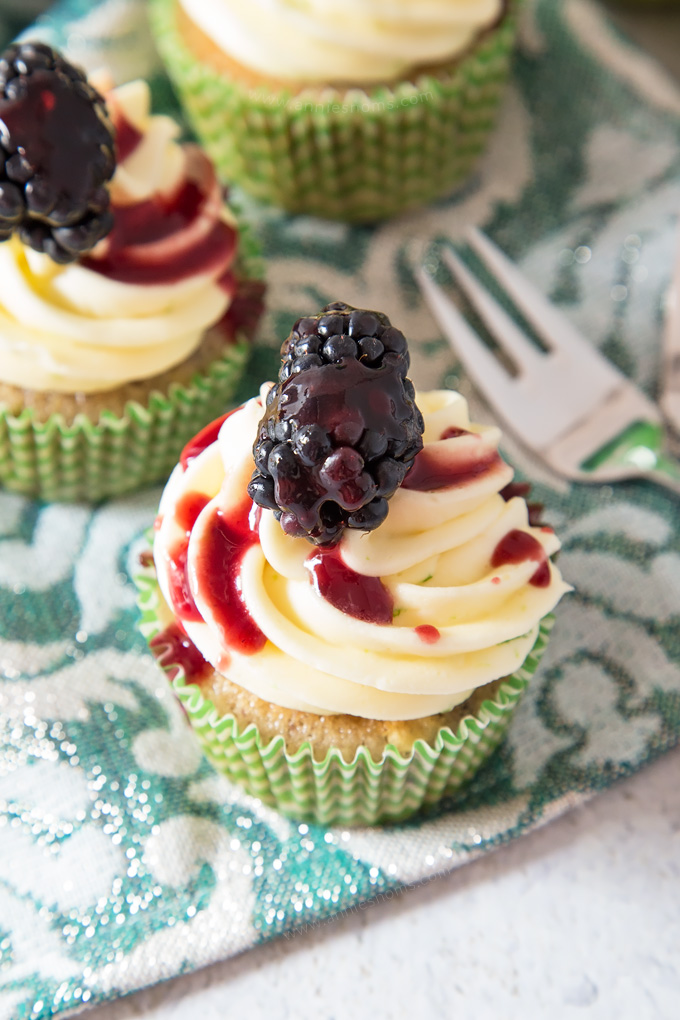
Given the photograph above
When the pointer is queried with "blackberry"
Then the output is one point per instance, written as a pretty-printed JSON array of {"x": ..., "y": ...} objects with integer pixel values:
[
  {"x": 341, "y": 427},
  {"x": 56, "y": 154}
]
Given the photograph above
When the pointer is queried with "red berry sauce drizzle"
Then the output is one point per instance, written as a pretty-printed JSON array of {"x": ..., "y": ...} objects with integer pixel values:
[
  {"x": 436, "y": 469},
  {"x": 523, "y": 489},
  {"x": 452, "y": 432},
  {"x": 431, "y": 472},
  {"x": 202, "y": 440},
  {"x": 518, "y": 547},
  {"x": 364, "y": 598},
  {"x": 186, "y": 513},
  {"x": 161, "y": 218},
  {"x": 172, "y": 649},
  {"x": 218, "y": 575},
  {"x": 128, "y": 136},
  {"x": 427, "y": 633},
  {"x": 169, "y": 237}
]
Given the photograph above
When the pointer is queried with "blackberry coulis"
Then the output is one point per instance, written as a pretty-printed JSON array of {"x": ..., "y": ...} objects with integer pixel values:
[
  {"x": 341, "y": 427},
  {"x": 57, "y": 151}
]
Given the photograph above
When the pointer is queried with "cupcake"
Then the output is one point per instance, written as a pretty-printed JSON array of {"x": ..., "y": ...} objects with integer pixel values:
[
  {"x": 347, "y": 597},
  {"x": 354, "y": 111},
  {"x": 128, "y": 292}
]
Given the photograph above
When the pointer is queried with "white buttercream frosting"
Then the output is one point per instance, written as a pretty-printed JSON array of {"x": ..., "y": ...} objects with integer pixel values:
[
  {"x": 348, "y": 41},
  {"x": 78, "y": 329},
  {"x": 458, "y": 621}
]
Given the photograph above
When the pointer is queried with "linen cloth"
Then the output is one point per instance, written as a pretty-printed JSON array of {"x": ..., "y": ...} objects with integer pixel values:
[{"x": 124, "y": 859}]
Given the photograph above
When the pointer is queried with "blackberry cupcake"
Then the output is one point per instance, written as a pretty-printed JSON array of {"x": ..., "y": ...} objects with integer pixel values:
[
  {"x": 355, "y": 111},
  {"x": 127, "y": 290},
  {"x": 346, "y": 604}
]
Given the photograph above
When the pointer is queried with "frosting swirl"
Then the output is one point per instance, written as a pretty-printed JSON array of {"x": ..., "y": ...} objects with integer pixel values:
[
  {"x": 399, "y": 623},
  {"x": 142, "y": 300},
  {"x": 351, "y": 41}
]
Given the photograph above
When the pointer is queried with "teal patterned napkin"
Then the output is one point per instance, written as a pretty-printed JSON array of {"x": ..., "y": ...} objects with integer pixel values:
[{"x": 124, "y": 859}]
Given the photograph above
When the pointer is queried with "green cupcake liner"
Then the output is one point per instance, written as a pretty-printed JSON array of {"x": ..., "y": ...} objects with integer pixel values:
[
  {"x": 334, "y": 791},
  {"x": 86, "y": 460},
  {"x": 345, "y": 154}
]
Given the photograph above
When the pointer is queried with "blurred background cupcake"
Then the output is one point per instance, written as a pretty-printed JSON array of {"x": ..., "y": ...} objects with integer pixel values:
[
  {"x": 127, "y": 289},
  {"x": 355, "y": 109}
]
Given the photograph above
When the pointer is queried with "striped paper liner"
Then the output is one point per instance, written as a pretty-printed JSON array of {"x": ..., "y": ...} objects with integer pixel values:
[
  {"x": 335, "y": 791},
  {"x": 85, "y": 460}
]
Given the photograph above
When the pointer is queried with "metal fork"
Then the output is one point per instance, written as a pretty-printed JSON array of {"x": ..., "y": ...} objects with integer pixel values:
[
  {"x": 569, "y": 405},
  {"x": 670, "y": 390}
]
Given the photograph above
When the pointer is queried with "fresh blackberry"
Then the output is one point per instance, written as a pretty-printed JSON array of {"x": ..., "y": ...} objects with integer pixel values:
[
  {"x": 340, "y": 428},
  {"x": 56, "y": 154}
]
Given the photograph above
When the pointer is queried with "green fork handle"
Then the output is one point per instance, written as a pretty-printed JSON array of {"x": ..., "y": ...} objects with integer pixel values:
[{"x": 640, "y": 450}]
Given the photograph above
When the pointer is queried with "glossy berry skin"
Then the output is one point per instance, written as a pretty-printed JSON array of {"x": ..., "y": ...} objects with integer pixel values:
[
  {"x": 57, "y": 151},
  {"x": 341, "y": 427}
]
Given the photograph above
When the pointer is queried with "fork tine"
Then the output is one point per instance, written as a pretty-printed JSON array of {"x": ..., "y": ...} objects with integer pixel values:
[
  {"x": 549, "y": 323},
  {"x": 480, "y": 364},
  {"x": 504, "y": 330},
  {"x": 670, "y": 387}
]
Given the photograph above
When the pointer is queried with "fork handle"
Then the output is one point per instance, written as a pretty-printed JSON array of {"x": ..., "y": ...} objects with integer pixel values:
[
  {"x": 665, "y": 473},
  {"x": 637, "y": 453}
]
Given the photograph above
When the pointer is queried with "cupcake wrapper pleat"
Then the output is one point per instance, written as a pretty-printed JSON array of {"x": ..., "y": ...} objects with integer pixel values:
[
  {"x": 335, "y": 791},
  {"x": 350, "y": 154},
  {"x": 85, "y": 460}
]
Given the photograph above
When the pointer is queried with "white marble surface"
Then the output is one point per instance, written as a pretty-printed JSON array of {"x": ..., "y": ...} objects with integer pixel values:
[{"x": 580, "y": 919}]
